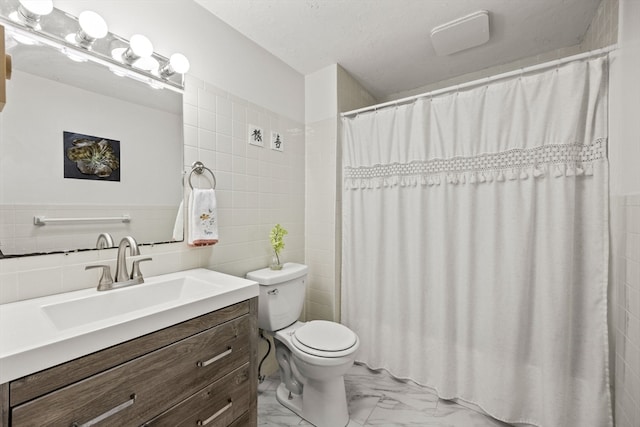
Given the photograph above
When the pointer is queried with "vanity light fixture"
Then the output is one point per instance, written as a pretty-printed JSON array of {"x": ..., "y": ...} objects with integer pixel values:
[
  {"x": 87, "y": 37},
  {"x": 92, "y": 28},
  {"x": 30, "y": 11},
  {"x": 139, "y": 47},
  {"x": 177, "y": 63}
]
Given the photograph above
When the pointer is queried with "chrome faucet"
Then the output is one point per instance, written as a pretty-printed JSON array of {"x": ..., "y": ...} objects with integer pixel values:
[
  {"x": 122, "y": 275},
  {"x": 104, "y": 241},
  {"x": 123, "y": 278}
]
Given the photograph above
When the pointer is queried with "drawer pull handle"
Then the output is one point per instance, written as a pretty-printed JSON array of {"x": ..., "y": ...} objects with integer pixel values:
[
  {"x": 107, "y": 414},
  {"x": 214, "y": 358},
  {"x": 216, "y": 415}
]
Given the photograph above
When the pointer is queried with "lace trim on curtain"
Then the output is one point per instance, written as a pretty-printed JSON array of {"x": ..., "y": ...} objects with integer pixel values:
[{"x": 559, "y": 160}]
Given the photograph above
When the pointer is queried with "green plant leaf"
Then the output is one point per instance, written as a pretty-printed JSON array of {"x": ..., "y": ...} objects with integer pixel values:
[{"x": 276, "y": 236}]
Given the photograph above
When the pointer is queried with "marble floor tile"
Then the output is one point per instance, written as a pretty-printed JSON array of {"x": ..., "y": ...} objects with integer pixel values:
[
  {"x": 375, "y": 398},
  {"x": 360, "y": 407},
  {"x": 271, "y": 413},
  {"x": 450, "y": 413}
]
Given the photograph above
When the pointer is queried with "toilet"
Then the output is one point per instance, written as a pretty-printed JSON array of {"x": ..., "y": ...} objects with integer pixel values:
[{"x": 312, "y": 356}]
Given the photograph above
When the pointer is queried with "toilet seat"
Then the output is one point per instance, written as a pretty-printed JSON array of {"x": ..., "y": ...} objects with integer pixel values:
[{"x": 324, "y": 339}]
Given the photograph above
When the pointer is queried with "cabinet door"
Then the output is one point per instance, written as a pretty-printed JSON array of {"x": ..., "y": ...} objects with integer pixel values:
[
  {"x": 139, "y": 390},
  {"x": 217, "y": 405}
]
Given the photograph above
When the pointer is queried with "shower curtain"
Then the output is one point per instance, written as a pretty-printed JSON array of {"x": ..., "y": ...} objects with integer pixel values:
[{"x": 475, "y": 244}]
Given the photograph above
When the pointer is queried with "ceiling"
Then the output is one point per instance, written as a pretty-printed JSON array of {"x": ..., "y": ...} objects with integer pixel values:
[{"x": 385, "y": 44}]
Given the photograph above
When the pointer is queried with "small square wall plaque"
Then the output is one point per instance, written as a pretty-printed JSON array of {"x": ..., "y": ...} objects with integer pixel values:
[
  {"x": 256, "y": 136},
  {"x": 276, "y": 141}
]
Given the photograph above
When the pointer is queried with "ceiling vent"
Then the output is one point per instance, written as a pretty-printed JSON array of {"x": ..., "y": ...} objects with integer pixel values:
[{"x": 461, "y": 34}]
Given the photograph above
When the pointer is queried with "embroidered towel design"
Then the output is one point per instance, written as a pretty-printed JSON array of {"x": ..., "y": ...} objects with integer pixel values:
[{"x": 203, "y": 218}]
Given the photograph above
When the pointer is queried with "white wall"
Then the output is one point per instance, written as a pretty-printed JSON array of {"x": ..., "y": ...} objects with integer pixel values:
[
  {"x": 321, "y": 94},
  {"x": 232, "y": 83}
]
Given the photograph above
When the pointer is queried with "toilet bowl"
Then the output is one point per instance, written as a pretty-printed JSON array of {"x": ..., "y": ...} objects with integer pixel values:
[
  {"x": 313, "y": 356},
  {"x": 323, "y": 400}
]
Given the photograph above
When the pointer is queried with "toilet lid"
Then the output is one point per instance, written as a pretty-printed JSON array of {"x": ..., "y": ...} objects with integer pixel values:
[{"x": 325, "y": 336}]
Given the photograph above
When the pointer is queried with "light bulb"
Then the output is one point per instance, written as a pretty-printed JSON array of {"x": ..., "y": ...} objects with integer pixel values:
[
  {"x": 74, "y": 56},
  {"x": 147, "y": 64},
  {"x": 37, "y": 7},
  {"x": 30, "y": 11},
  {"x": 178, "y": 63},
  {"x": 92, "y": 24},
  {"x": 155, "y": 85},
  {"x": 141, "y": 45},
  {"x": 117, "y": 71},
  {"x": 92, "y": 27},
  {"x": 22, "y": 39}
]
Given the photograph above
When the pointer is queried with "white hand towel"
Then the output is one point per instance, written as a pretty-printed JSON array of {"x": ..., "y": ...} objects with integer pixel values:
[
  {"x": 178, "y": 226},
  {"x": 203, "y": 218}
]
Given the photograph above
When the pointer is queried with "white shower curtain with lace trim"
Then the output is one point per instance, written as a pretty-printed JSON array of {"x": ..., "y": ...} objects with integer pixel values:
[{"x": 475, "y": 245}]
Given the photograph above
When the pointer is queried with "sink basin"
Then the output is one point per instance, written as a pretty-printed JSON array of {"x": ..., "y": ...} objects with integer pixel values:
[
  {"x": 116, "y": 302},
  {"x": 43, "y": 332}
]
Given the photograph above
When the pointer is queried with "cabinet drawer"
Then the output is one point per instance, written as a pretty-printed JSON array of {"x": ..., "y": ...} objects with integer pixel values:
[
  {"x": 244, "y": 421},
  {"x": 136, "y": 391},
  {"x": 217, "y": 405}
]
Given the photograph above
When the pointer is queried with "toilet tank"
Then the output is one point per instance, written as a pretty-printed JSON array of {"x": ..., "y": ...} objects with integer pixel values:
[{"x": 281, "y": 296}]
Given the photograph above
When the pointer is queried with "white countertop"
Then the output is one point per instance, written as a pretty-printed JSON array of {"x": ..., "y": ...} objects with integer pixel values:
[{"x": 30, "y": 341}]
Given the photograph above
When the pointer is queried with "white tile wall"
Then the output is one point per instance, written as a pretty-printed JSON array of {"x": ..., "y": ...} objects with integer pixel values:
[
  {"x": 321, "y": 145},
  {"x": 626, "y": 282},
  {"x": 256, "y": 188},
  {"x": 324, "y": 188}
]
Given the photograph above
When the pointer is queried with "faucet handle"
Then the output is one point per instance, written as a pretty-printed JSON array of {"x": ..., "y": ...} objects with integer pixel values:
[
  {"x": 106, "y": 281},
  {"x": 135, "y": 272}
]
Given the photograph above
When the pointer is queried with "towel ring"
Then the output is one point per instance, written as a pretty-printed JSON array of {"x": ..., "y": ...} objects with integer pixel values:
[{"x": 199, "y": 168}]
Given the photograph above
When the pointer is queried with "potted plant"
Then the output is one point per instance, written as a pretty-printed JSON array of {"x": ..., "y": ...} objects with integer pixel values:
[{"x": 276, "y": 236}]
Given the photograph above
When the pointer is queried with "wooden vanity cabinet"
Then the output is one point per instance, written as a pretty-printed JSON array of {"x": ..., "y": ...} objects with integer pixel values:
[{"x": 199, "y": 372}]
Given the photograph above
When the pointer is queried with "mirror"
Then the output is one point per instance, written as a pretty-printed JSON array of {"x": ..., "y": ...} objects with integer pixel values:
[{"x": 62, "y": 114}]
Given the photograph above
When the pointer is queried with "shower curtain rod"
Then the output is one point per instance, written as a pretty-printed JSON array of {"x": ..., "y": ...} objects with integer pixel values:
[{"x": 485, "y": 80}]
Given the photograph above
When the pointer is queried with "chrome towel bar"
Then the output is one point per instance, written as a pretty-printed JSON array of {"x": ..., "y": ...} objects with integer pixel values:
[{"x": 43, "y": 220}]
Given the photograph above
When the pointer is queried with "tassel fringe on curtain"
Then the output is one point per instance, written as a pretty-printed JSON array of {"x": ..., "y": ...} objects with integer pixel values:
[{"x": 554, "y": 160}]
